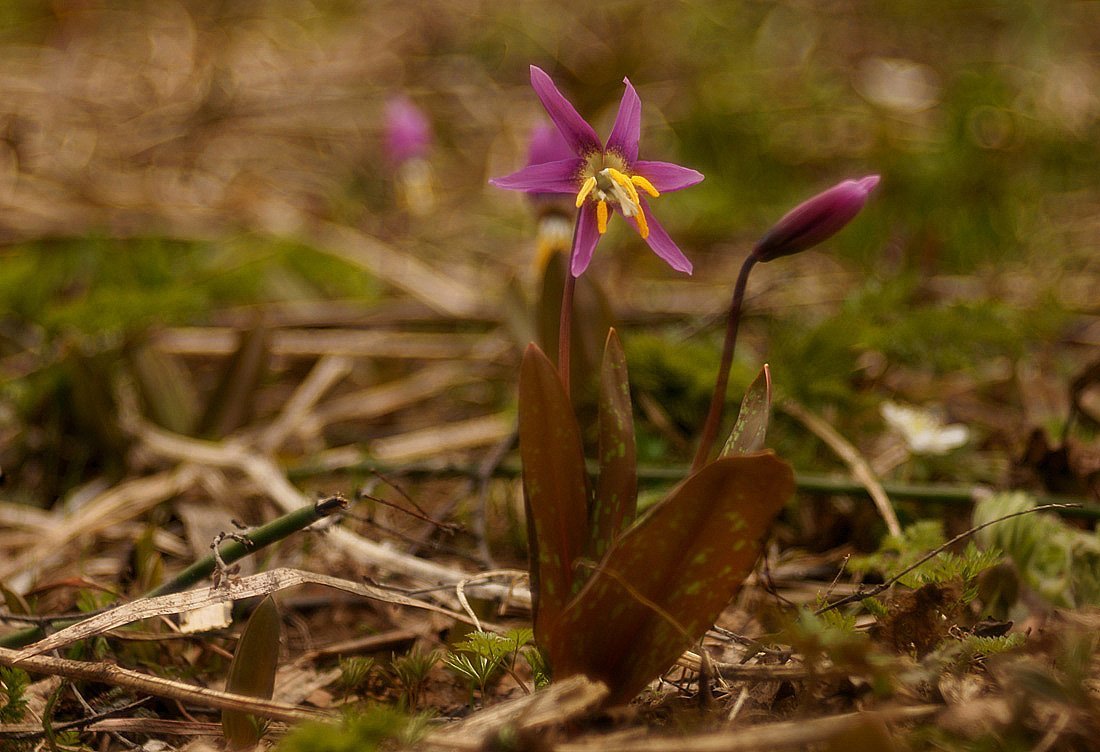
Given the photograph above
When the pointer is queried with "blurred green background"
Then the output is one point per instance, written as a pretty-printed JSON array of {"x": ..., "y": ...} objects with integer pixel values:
[{"x": 188, "y": 163}]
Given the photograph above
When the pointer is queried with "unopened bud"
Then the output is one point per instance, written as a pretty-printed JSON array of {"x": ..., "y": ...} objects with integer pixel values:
[{"x": 814, "y": 220}]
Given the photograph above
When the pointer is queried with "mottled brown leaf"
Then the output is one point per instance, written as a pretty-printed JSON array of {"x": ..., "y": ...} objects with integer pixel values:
[
  {"x": 751, "y": 427},
  {"x": 664, "y": 582},
  {"x": 616, "y": 496},
  {"x": 555, "y": 488}
]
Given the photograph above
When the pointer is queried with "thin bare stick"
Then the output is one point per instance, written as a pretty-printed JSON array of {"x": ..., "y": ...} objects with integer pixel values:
[
  {"x": 36, "y": 731},
  {"x": 861, "y": 594},
  {"x": 117, "y": 676},
  {"x": 221, "y": 557}
]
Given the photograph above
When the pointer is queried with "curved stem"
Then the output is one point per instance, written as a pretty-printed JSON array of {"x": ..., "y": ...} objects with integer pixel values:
[{"x": 718, "y": 398}]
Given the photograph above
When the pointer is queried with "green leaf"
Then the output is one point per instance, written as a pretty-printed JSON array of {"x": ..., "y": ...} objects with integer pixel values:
[
  {"x": 555, "y": 488},
  {"x": 252, "y": 672},
  {"x": 616, "y": 499},
  {"x": 664, "y": 582},
  {"x": 751, "y": 426}
]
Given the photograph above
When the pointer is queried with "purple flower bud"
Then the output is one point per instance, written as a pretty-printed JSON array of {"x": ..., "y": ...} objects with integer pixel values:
[
  {"x": 814, "y": 220},
  {"x": 408, "y": 132}
]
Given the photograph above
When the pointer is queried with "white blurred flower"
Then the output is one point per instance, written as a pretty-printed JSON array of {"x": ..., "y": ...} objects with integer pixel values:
[{"x": 923, "y": 431}]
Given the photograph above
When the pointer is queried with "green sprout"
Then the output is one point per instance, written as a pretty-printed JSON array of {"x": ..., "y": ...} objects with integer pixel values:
[{"x": 411, "y": 672}]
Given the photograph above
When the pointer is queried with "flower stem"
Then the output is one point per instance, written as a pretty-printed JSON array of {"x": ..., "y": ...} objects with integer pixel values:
[
  {"x": 565, "y": 328},
  {"x": 565, "y": 322},
  {"x": 718, "y": 399}
]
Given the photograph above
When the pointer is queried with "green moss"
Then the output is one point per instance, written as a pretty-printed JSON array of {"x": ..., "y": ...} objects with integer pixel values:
[
  {"x": 361, "y": 731},
  {"x": 99, "y": 287}
]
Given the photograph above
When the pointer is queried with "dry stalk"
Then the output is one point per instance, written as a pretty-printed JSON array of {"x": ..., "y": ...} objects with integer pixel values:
[
  {"x": 562, "y": 701},
  {"x": 771, "y": 736},
  {"x": 264, "y": 583},
  {"x": 848, "y": 453},
  {"x": 118, "y": 504},
  {"x": 269, "y": 477}
]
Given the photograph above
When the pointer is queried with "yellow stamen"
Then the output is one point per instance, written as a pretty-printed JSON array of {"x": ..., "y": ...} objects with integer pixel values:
[
  {"x": 643, "y": 226},
  {"x": 586, "y": 189},
  {"x": 601, "y": 217},
  {"x": 645, "y": 185},
  {"x": 625, "y": 183}
]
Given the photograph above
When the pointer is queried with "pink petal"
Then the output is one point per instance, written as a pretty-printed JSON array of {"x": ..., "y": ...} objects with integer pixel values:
[
  {"x": 667, "y": 177},
  {"x": 548, "y": 177},
  {"x": 585, "y": 238},
  {"x": 576, "y": 130},
  {"x": 627, "y": 130},
  {"x": 547, "y": 145},
  {"x": 661, "y": 244}
]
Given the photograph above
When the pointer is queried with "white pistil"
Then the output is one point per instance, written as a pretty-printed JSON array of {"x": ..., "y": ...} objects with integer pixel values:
[{"x": 613, "y": 186}]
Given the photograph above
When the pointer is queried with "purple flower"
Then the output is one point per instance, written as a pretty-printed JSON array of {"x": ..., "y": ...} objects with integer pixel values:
[
  {"x": 603, "y": 177},
  {"x": 408, "y": 132},
  {"x": 814, "y": 220},
  {"x": 547, "y": 145}
]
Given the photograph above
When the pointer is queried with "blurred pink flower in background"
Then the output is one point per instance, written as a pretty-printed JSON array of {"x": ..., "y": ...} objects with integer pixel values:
[
  {"x": 408, "y": 133},
  {"x": 408, "y": 139}
]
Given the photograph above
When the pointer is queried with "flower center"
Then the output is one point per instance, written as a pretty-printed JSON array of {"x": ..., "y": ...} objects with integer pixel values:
[{"x": 606, "y": 180}]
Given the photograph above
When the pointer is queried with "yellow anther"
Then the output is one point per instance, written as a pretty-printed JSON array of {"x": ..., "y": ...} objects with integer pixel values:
[
  {"x": 645, "y": 185},
  {"x": 625, "y": 184},
  {"x": 601, "y": 217},
  {"x": 643, "y": 226},
  {"x": 586, "y": 189}
]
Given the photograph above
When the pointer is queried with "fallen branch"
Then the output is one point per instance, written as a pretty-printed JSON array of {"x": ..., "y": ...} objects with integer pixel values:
[{"x": 106, "y": 673}]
